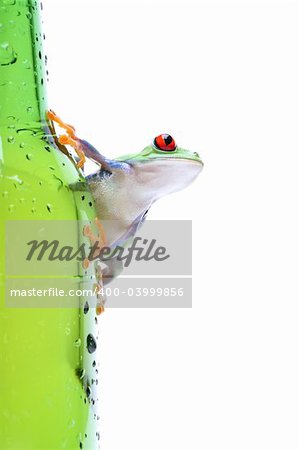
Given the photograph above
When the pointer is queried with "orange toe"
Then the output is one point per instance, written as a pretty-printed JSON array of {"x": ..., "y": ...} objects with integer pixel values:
[
  {"x": 100, "y": 309},
  {"x": 50, "y": 115},
  {"x": 64, "y": 139}
]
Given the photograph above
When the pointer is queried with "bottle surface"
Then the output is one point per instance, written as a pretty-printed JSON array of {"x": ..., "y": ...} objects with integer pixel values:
[{"x": 46, "y": 363}]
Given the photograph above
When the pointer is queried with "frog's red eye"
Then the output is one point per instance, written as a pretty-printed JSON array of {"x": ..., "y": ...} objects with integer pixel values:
[{"x": 165, "y": 142}]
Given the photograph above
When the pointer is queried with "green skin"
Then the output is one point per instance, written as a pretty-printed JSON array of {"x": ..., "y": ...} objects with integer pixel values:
[
  {"x": 125, "y": 188},
  {"x": 152, "y": 152}
]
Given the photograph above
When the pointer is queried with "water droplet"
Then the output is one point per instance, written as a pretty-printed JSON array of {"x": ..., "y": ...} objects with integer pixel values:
[
  {"x": 91, "y": 344},
  {"x": 29, "y": 109},
  {"x": 60, "y": 186},
  {"x": 11, "y": 139},
  {"x": 27, "y": 131},
  {"x": 94, "y": 364},
  {"x": 7, "y": 54},
  {"x": 16, "y": 179},
  {"x": 4, "y": 194},
  {"x": 34, "y": 200},
  {"x": 88, "y": 391},
  {"x": 8, "y": 2},
  {"x": 28, "y": 15},
  {"x": 33, "y": 210},
  {"x": 71, "y": 423},
  {"x": 29, "y": 156},
  {"x": 27, "y": 64},
  {"x": 77, "y": 343},
  {"x": 11, "y": 208},
  {"x": 86, "y": 308},
  {"x": 49, "y": 207},
  {"x": 22, "y": 145}
]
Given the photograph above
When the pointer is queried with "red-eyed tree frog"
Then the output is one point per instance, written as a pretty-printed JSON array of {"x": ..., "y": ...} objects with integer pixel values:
[{"x": 125, "y": 188}]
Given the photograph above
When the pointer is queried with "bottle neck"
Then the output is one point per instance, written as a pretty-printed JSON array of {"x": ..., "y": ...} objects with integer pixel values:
[{"x": 22, "y": 74}]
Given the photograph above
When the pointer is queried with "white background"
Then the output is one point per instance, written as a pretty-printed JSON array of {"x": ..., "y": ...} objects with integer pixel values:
[{"x": 221, "y": 77}]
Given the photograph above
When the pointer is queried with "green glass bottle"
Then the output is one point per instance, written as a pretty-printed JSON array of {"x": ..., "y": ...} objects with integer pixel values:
[{"x": 47, "y": 355}]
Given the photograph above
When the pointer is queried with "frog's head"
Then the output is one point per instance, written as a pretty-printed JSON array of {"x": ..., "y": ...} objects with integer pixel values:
[{"x": 163, "y": 167}]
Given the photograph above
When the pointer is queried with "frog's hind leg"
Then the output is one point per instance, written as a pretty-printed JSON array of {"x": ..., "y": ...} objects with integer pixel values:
[{"x": 113, "y": 269}]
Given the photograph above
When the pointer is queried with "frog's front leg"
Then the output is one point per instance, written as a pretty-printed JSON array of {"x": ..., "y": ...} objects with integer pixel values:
[
  {"x": 70, "y": 138},
  {"x": 83, "y": 148}
]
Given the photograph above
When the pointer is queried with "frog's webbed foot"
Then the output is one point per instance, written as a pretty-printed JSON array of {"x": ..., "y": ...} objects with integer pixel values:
[
  {"x": 61, "y": 147},
  {"x": 68, "y": 128},
  {"x": 84, "y": 149},
  {"x": 65, "y": 139},
  {"x": 68, "y": 139}
]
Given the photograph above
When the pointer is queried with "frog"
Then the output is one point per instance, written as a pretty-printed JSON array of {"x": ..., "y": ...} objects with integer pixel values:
[{"x": 125, "y": 188}]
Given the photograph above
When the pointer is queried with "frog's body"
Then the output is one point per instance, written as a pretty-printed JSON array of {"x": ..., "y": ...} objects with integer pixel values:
[
  {"x": 126, "y": 192},
  {"x": 125, "y": 188}
]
